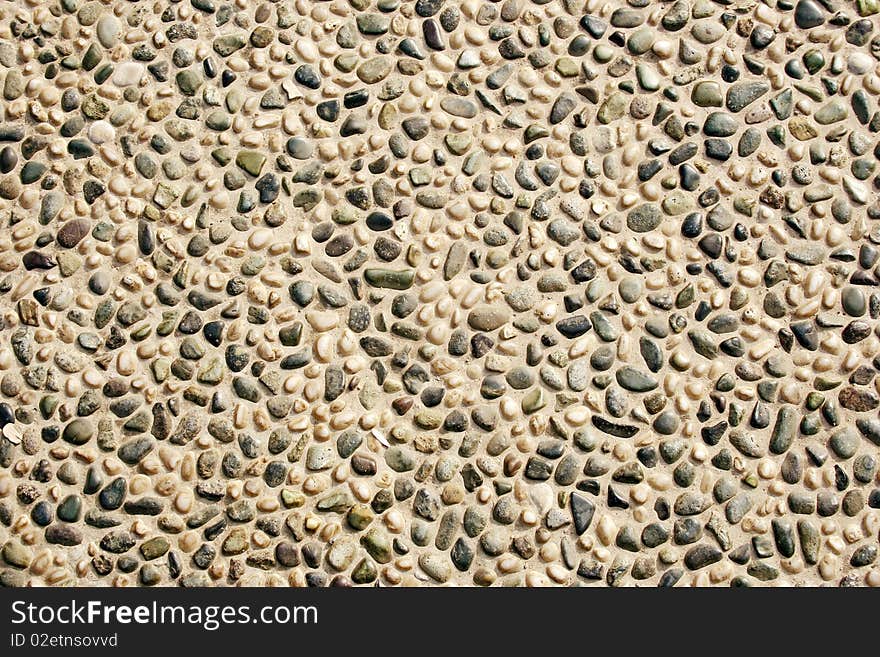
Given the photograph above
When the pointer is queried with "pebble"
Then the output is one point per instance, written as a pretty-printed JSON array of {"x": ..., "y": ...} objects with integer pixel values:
[
  {"x": 808, "y": 14},
  {"x": 644, "y": 218}
]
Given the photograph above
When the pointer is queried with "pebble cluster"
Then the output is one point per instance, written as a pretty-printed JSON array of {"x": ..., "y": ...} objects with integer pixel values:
[{"x": 417, "y": 292}]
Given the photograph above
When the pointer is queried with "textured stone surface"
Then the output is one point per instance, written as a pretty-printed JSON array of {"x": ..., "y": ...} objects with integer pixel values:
[{"x": 519, "y": 293}]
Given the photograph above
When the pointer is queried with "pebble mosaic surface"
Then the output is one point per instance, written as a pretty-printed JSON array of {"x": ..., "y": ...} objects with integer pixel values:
[{"x": 394, "y": 292}]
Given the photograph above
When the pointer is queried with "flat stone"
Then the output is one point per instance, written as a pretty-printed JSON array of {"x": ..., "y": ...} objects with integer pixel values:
[
  {"x": 374, "y": 70},
  {"x": 858, "y": 399},
  {"x": 631, "y": 379},
  {"x": 644, "y": 218},
  {"x": 488, "y": 318},
  {"x": 742, "y": 94},
  {"x": 391, "y": 279},
  {"x": 808, "y": 14},
  {"x": 250, "y": 161},
  {"x": 701, "y": 556}
]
